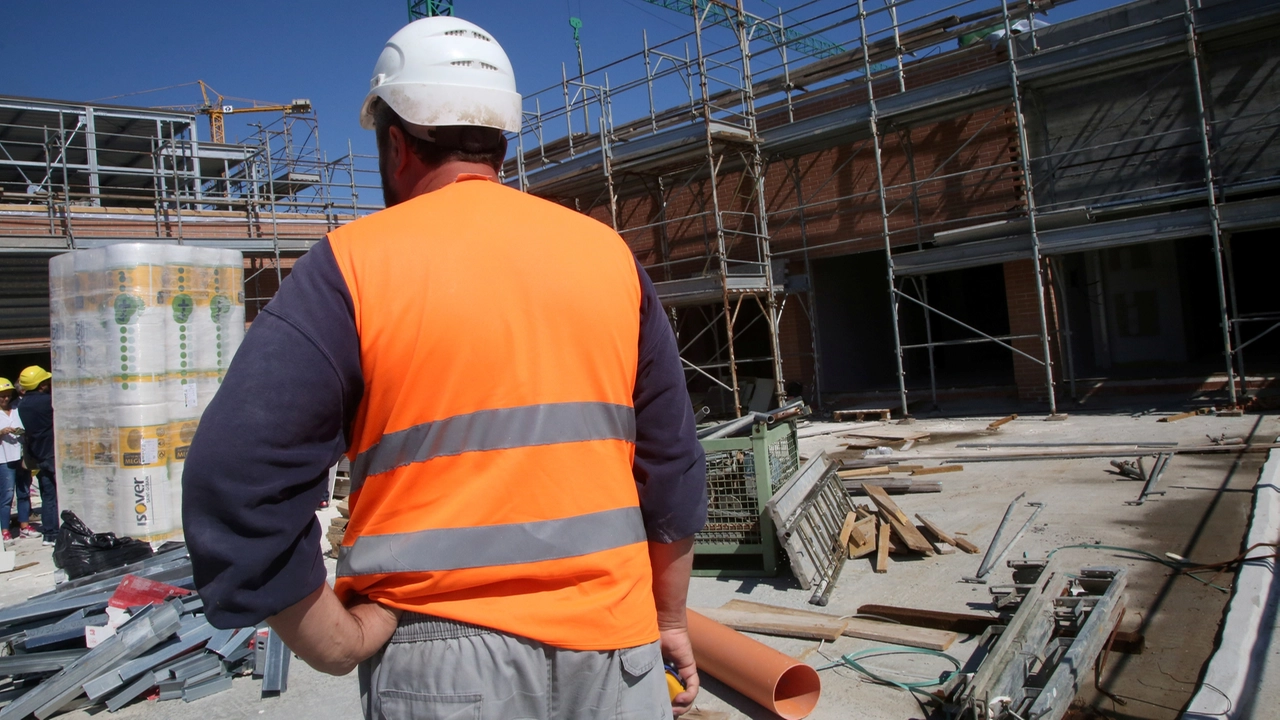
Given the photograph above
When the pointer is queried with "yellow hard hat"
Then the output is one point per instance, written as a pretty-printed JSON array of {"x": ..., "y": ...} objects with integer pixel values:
[
  {"x": 31, "y": 377},
  {"x": 5, "y": 384}
]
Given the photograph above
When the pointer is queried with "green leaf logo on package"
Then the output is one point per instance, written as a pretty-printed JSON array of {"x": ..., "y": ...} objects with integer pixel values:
[
  {"x": 127, "y": 306},
  {"x": 219, "y": 305},
  {"x": 183, "y": 306}
]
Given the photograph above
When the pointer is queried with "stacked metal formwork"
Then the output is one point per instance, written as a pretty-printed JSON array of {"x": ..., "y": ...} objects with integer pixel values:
[{"x": 1048, "y": 197}]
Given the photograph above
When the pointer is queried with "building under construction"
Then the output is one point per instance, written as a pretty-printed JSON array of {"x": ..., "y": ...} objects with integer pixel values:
[
  {"x": 76, "y": 175},
  {"x": 966, "y": 198},
  {"x": 971, "y": 199}
]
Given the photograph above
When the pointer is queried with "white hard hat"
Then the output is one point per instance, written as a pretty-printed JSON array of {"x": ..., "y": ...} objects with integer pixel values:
[{"x": 445, "y": 71}]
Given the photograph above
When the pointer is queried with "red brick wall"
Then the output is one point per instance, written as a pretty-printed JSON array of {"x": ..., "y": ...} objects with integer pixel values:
[
  {"x": 1024, "y": 319},
  {"x": 964, "y": 171}
]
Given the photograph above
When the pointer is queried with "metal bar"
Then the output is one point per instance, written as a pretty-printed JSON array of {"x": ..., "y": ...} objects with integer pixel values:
[
  {"x": 884, "y": 212},
  {"x": 966, "y": 326},
  {"x": 1024, "y": 158},
  {"x": 985, "y": 566},
  {"x": 275, "y": 676},
  {"x": 1206, "y": 152}
]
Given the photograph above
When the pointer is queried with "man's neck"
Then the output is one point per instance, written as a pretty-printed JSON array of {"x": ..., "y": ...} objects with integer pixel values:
[{"x": 448, "y": 172}]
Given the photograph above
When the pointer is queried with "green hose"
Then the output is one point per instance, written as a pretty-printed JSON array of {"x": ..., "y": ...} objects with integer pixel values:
[{"x": 851, "y": 661}]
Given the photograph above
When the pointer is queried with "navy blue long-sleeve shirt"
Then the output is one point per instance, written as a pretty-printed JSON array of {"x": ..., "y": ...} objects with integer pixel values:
[
  {"x": 36, "y": 411},
  {"x": 259, "y": 462}
]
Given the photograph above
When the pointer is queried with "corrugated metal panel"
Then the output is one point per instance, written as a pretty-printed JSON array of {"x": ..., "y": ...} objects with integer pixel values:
[{"x": 24, "y": 303}]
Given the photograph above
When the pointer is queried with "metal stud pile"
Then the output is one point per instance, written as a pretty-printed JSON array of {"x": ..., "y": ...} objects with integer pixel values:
[{"x": 164, "y": 646}]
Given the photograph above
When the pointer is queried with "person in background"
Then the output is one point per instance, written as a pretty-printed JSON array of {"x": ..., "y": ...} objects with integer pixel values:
[
  {"x": 36, "y": 412},
  {"x": 12, "y": 473}
]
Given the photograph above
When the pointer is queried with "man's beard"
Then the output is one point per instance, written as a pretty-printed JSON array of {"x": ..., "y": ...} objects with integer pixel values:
[{"x": 389, "y": 196}]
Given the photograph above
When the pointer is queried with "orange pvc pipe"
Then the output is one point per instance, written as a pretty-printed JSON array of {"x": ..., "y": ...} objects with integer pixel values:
[{"x": 781, "y": 684}]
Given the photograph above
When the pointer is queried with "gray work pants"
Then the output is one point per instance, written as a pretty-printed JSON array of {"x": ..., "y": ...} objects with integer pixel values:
[{"x": 436, "y": 669}]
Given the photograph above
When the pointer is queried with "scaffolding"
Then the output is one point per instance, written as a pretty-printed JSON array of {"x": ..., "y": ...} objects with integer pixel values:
[
  {"x": 757, "y": 165},
  {"x": 76, "y": 175}
]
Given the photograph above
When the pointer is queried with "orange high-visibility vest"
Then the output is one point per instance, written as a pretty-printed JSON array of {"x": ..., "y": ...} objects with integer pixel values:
[{"x": 492, "y": 450}]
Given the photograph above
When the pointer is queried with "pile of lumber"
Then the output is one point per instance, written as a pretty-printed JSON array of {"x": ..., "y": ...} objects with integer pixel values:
[
  {"x": 894, "y": 478},
  {"x": 881, "y": 529},
  {"x": 125, "y": 634},
  {"x": 338, "y": 527}
]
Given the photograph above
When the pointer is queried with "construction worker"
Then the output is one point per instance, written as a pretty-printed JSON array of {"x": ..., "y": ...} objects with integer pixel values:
[
  {"x": 36, "y": 412},
  {"x": 526, "y": 479}
]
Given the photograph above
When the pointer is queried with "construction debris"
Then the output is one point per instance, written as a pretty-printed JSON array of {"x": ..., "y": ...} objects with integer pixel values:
[
  {"x": 1185, "y": 415},
  {"x": 115, "y": 635},
  {"x": 1002, "y": 421}
]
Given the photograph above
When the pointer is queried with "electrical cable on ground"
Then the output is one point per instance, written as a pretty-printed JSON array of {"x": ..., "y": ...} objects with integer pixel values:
[
  {"x": 1183, "y": 567},
  {"x": 916, "y": 688}
]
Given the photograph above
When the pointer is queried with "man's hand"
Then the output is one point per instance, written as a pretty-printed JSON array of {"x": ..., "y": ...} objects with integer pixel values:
[
  {"x": 331, "y": 638},
  {"x": 672, "y": 564},
  {"x": 677, "y": 652}
]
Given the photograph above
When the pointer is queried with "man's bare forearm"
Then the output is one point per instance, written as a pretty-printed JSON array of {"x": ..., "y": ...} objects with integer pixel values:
[
  {"x": 329, "y": 637},
  {"x": 672, "y": 564}
]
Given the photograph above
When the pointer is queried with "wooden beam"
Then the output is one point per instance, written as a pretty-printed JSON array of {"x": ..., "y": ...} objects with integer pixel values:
[
  {"x": 814, "y": 626},
  {"x": 1006, "y": 419},
  {"x": 894, "y": 486},
  {"x": 866, "y": 629},
  {"x": 882, "y": 549},
  {"x": 938, "y": 469},
  {"x": 946, "y": 537},
  {"x": 862, "y": 472},
  {"x": 898, "y": 520}
]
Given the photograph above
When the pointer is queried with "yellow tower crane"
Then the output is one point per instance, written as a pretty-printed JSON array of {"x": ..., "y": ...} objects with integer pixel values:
[{"x": 217, "y": 109}]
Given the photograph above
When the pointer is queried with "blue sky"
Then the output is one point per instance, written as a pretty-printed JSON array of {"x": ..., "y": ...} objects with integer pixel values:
[{"x": 324, "y": 50}]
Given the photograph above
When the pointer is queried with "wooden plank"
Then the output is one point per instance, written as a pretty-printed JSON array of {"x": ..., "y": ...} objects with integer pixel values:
[
  {"x": 814, "y": 626},
  {"x": 938, "y": 469},
  {"x": 899, "y": 521},
  {"x": 899, "y": 634},
  {"x": 1002, "y": 421},
  {"x": 862, "y": 472},
  {"x": 893, "y": 486},
  {"x": 1185, "y": 415},
  {"x": 899, "y": 467},
  {"x": 344, "y": 509},
  {"x": 850, "y": 519},
  {"x": 859, "y": 413},
  {"x": 939, "y": 547},
  {"x": 948, "y": 538},
  {"x": 887, "y": 432},
  {"x": 862, "y": 538},
  {"x": 883, "y": 502},
  {"x": 882, "y": 549}
]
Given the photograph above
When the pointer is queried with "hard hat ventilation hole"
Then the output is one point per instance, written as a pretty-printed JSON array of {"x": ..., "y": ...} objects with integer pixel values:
[
  {"x": 455, "y": 33},
  {"x": 461, "y": 63},
  {"x": 487, "y": 66}
]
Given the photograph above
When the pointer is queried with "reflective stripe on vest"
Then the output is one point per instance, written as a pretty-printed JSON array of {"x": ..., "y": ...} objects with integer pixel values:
[
  {"x": 500, "y": 429},
  {"x": 472, "y": 547}
]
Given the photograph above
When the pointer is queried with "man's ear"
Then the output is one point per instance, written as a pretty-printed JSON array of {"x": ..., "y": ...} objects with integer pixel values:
[{"x": 397, "y": 151}]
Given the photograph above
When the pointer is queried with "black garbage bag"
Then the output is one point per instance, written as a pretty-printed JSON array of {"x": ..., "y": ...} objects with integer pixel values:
[{"x": 80, "y": 551}]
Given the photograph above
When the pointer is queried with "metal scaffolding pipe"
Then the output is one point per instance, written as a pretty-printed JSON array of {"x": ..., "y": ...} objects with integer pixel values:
[{"x": 1025, "y": 161}]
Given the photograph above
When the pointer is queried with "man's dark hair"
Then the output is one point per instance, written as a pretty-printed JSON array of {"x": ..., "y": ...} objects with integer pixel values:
[{"x": 452, "y": 142}]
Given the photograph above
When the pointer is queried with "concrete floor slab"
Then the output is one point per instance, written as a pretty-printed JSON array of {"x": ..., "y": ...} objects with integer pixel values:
[{"x": 1203, "y": 517}]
